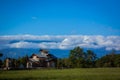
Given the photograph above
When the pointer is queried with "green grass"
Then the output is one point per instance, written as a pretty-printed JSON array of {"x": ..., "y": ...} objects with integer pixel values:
[{"x": 63, "y": 74}]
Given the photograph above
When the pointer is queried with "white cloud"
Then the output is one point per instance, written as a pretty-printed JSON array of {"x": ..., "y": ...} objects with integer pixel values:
[
  {"x": 23, "y": 44},
  {"x": 60, "y": 41}
]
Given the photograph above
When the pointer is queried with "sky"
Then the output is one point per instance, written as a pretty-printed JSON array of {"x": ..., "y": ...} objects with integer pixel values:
[{"x": 60, "y": 17}]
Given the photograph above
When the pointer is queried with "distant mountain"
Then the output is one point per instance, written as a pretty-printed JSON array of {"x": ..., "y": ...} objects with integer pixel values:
[
  {"x": 60, "y": 53},
  {"x": 33, "y": 41},
  {"x": 19, "y": 52}
]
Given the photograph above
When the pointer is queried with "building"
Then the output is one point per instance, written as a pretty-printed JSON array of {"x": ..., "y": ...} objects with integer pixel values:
[
  {"x": 7, "y": 64},
  {"x": 43, "y": 59}
]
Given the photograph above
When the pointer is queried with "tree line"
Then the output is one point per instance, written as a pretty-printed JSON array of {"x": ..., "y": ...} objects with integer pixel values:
[
  {"x": 78, "y": 58},
  {"x": 14, "y": 63}
]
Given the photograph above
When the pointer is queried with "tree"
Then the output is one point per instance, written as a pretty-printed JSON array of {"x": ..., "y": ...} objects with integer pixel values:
[
  {"x": 90, "y": 58},
  {"x": 110, "y": 60},
  {"x": 1, "y": 54},
  {"x": 23, "y": 60},
  {"x": 59, "y": 63},
  {"x": 1, "y": 63},
  {"x": 76, "y": 57},
  {"x": 117, "y": 60}
]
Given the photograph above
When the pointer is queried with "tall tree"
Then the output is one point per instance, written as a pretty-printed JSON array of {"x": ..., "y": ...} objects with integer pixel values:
[
  {"x": 90, "y": 58},
  {"x": 1, "y": 60},
  {"x": 76, "y": 57},
  {"x": 1, "y": 54}
]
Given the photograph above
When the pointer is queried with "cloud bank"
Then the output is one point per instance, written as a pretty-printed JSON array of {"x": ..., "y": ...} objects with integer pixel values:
[{"x": 60, "y": 41}]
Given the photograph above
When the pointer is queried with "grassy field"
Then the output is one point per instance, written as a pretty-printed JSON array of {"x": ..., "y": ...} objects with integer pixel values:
[{"x": 63, "y": 74}]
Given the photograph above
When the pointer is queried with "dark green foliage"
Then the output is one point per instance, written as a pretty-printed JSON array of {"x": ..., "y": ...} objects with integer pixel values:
[
  {"x": 1, "y": 54},
  {"x": 1, "y": 63},
  {"x": 90, "y": 59},
  {"x": 63, "y": 63},
  {"x": 22, "y": 61},
  {"x": 110, "y": 60},
  {"x": 117, "y": 60},
  {"x": 78, "y": 59}
]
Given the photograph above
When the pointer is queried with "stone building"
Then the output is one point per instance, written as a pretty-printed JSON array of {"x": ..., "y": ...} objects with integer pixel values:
[{"x": 43, "y": 59}]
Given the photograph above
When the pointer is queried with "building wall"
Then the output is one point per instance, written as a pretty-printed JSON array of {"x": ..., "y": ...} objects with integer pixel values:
[{"x": 35, "y": 58}]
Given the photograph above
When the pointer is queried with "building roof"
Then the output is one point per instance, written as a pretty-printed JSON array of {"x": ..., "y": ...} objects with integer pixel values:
[
  {"x": 40, "y": 55},
  {"x": 33, "y": 60},
  {"x": 43, "y": 50}
]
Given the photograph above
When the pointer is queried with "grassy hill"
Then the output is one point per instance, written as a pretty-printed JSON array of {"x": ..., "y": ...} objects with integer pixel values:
[{"x": 63, "y": 74}]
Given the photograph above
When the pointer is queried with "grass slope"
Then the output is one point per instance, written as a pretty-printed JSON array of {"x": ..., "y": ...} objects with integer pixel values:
[{"x": 63, "y": 74}]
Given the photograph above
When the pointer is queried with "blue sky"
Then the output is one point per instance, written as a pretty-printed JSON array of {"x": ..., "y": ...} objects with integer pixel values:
[{"x": 60, "y": 17}]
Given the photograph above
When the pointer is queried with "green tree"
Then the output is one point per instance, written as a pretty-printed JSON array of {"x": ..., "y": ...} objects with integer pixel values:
[
  {"x": 59, "y": 63},
  {"x": 1, "y": 54},
  {"x": 90, "y": 58},
  {"x": 1, "y": 63},
  {"x": 109, "y": 60},
  {"x": 117, "y": 60},
  {"x": 23, "y": 60},
  {"x": 76, "y": 57}
]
